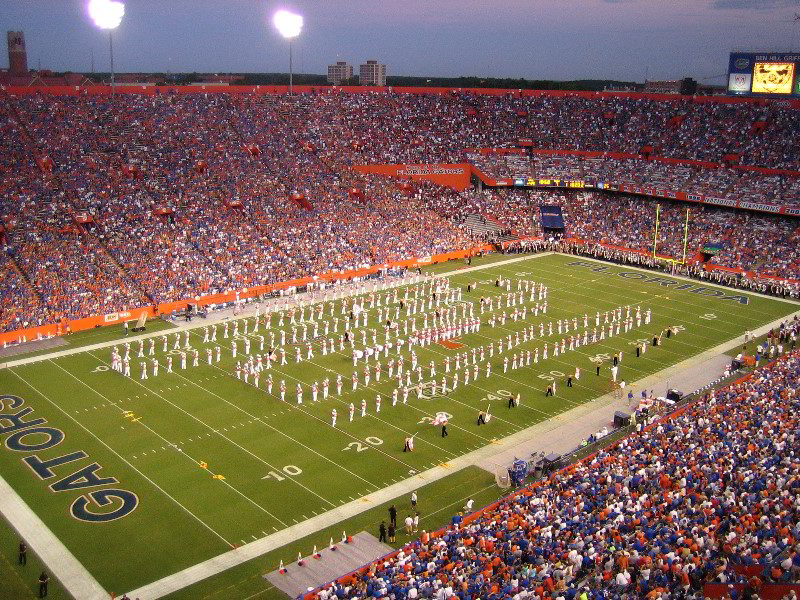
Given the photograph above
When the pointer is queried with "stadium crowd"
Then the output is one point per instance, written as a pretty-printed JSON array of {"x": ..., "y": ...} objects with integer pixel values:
[
  {"x": 156, "y": 198},
  {"x": 675, "y": 505},
  {"x": 720, "y": 183}
]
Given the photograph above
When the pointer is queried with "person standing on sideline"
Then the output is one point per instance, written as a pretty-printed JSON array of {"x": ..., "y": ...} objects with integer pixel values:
[
  {"x": 382, "y": 532},
  {"x": 43, "y": 581},
  {"x": 393, "y": 515},
  {"x": 409, "y": 523},
  {"x": 414, "y": 500},
  {"x": 468, "y": 506},
  {"x": 23, "y": 553},
  {"x": 392, "y": 530}
]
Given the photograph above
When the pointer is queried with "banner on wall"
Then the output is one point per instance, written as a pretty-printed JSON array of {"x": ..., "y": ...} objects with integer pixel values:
[{"x": 455, "y": 176}]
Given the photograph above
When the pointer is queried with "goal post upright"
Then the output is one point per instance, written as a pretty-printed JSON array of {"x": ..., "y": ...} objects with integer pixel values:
[
  {"x": 685, "y": 236},
  {"x": 655, "y": 236}
]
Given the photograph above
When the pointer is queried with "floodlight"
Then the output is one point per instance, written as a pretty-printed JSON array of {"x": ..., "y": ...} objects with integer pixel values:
[
  {"x": 288, "y": 24},
  {"x": 106, "y": 14}
]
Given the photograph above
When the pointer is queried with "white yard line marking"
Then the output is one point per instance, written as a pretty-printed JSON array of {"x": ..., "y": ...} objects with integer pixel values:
[
  {"x": 195, "y": 418},
  {"x": 194, "y": 460}
]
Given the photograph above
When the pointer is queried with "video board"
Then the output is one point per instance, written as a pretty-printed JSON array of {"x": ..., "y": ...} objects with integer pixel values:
[{"x": 772, "y": 74}]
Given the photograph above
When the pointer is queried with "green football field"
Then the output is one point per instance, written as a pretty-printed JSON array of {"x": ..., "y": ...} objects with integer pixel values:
[{"x": 194, "y": 463}]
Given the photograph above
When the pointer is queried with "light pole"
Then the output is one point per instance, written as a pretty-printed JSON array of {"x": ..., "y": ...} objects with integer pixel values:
[
  {"x": 289, "y": 26},
  {"x": 107, "y": 14}
]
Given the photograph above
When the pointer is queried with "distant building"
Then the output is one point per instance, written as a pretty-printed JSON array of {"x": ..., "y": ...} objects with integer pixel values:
[
  {"x": 339, "y": 72},
  {"x": 17, "y": 55},
  {"x": 663, "y": 87},
  {"x": 372, "y": 73}
]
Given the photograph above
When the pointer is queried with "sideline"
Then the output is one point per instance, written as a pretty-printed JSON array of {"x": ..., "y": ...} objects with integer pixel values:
[{"x": 61, "y": 563}]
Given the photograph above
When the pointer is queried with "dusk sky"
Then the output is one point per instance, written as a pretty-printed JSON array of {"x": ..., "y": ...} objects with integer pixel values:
[{"x": 534, "y": 39}]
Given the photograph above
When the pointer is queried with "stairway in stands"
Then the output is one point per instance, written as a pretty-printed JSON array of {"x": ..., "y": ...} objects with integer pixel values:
[
  {"x": 478, "y": 224},
  {"x": 23, "y": 276},
  {"x": 492, "y": 229}
]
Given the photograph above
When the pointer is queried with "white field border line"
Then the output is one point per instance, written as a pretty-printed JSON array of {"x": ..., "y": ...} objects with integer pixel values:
[
  {"x": 171, "y": 444},
  {"x": 59, "y": 560},
  {"x": 230, "y": 559},
  {"x": 182, "y": 328}
]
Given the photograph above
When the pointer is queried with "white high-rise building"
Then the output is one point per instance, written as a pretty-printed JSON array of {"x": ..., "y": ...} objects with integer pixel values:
[
  {"x": 339, "y": 72},
  {"x": 372, "y": 73}
]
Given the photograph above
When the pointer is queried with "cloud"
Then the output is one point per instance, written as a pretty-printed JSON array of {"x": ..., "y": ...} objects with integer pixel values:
[{"x": 754, "y": 4}]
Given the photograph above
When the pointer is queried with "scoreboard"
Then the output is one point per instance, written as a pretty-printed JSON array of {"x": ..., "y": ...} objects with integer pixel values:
[{"x": 766, "y": 74}]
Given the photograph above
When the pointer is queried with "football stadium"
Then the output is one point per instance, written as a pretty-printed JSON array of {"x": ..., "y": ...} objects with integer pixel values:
[{"x": 344, "y": 341}]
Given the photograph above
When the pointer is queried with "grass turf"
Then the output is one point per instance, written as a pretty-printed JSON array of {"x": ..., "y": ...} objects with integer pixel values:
[{"x": 283, "y": 463}]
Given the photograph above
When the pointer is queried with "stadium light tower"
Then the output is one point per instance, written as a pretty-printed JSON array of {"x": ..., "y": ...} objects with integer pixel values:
[
  {"x": 289, "y": 26},
  {"x": 107, "y": 14}
]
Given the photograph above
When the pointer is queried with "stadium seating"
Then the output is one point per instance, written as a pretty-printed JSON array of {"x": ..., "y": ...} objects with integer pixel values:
[
  {"x": 148, "y": 199},
  {"x": 685, "y": 501}
]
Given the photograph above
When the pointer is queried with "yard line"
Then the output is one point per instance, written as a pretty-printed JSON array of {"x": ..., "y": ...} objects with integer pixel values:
[
  {"x": 258, "y": 458},
  {"x": 266, "y": 589},
  {"x": 194, "y": 460},
  {"x": 371, "y": 387},
  {"x": 118, "y": 455},
  {"x": 276, "y": 430},
  {"x": 294, "y": 407}
]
